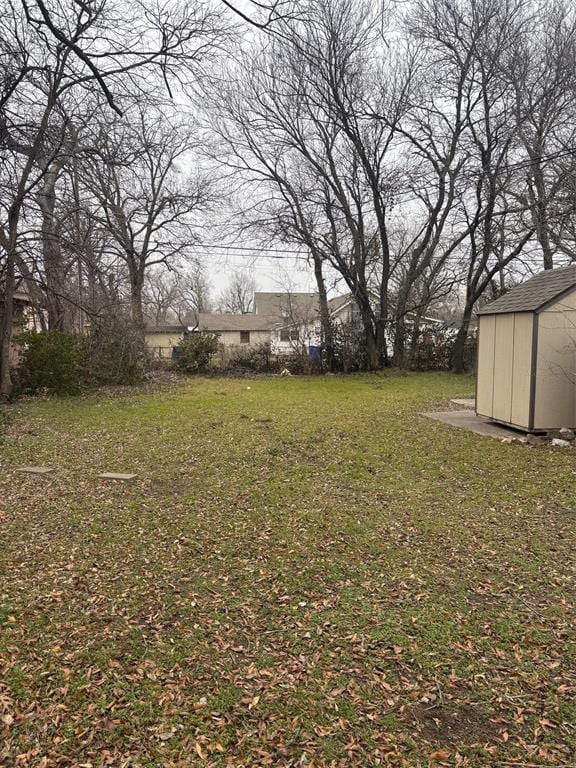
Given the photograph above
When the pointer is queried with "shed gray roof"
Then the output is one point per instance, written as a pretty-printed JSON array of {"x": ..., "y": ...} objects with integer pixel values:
[
  {"x": 535, "y": 293},
  {"x": 219, "y": 323}
]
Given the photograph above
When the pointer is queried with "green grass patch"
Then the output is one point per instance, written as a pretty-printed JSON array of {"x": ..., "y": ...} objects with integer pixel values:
[{"x": 306, "y": 571}]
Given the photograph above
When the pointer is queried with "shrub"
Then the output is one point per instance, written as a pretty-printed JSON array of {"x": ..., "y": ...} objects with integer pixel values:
[
  {"x": 349, "y": 348},
  {"x": 114, "y": 352},
  {"x": 159, "y": 363},
  {"x": 298, "y": 362},
  {"x": 50, "y": 361},
  {"x": 194, "y": 352},
  {"x": 257, "y": 359},
  {"x": 431, "y": 349}
]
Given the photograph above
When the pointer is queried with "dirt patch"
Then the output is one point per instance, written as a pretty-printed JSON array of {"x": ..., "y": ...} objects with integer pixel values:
[
  {"x": 173, "y": 486},
  {"x": 484, "y": 600},
  {"x": 450, "y": 725}
]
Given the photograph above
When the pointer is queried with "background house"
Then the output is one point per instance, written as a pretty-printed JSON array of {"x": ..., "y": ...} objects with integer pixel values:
[
  {"x": 161, "y": 339},
  {"x": 237, "y": 330},
  {"x": 287, "y": 321},
  {"x": 27, "y": 317},
  {"x": 296, "y": 318}
]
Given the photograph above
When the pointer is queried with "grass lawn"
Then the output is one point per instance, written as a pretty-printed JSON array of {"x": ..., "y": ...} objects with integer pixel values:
[{"x": 306, "y": 573}]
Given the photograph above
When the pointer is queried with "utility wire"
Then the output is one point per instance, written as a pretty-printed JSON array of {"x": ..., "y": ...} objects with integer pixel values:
[
  {"x": 452, "y": 259},
  {"x": 254, "y": 252}
]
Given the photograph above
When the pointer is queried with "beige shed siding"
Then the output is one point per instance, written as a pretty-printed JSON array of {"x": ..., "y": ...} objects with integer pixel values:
[
  {"x": 485, "y": 375},
  {"x": 531, "y": 332},
  {"x": 555, "y": 405},
  {"x": 563, "y": 304},
  {"x": 522, "y": 369},
  {"x": 504, "y": 367},
  {"x": 503, "y": 356}
]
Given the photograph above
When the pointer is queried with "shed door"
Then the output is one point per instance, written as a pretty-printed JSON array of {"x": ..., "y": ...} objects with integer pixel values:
[
  {"x": 522, "y": 369},
  {"x": 485, "y": 372},
  {"x": 503, "y": 367}
]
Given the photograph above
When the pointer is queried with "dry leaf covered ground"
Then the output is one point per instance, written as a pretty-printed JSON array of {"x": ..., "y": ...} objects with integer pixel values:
[{"x": 305, "y": 573}]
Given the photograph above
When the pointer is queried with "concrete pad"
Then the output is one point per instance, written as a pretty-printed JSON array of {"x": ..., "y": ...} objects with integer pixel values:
[
  {"x": 478, "y": 424},
  {"x": 34, "y": 470},
  {"x": 117, "y": 476},
  {"x": 464, "y": 402}
]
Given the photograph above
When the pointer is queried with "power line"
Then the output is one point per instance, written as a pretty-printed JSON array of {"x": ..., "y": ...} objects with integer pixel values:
[
  {"x": 512, "y": 168},
  {"x": 540, "y": 159},
  {"x": 452, "y": 259},
  {"x": 246, "y": 248},
  {"x": 283, "y": 254}
]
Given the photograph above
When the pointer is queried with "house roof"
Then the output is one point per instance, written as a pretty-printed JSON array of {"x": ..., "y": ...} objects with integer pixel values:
[
  {"x": 339, "y": 302},
  {"x": 535, "y": 293},
  {"x": 219, "y": 323},
  {"x": 455, "y": 325},
  {"x": 287, "y": 306},
  {"x": 22, "y": 296},
  {"x": 165, "y": 328}
]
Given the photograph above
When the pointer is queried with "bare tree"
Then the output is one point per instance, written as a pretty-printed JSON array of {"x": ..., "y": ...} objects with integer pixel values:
[
  {"x": 177, "y": 296},
  {"x": 49, "y": 49},
  {"x": 238, "y": 296},
  {"x": 142, "y": 197},
  {"x": 468, "y": 44},
  {"x": 303, "y": 115},
  {"x": 195, "y": 294},
  {"x": 540, "y": 69}
]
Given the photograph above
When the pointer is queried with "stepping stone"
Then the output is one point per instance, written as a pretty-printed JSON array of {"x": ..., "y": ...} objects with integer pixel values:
[
  {"x": 464, "y": 402},
  {"x": 34, "y": 470},
  {"x": 117, "y": 476}
]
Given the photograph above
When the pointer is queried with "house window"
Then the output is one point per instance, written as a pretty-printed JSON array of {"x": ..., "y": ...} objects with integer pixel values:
[
  {"x": 289, "y": 334},
  {"x": 244, "y": 337}
]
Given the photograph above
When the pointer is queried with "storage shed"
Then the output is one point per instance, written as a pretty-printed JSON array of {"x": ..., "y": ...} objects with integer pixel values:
[{"x": 526, "y": 373}]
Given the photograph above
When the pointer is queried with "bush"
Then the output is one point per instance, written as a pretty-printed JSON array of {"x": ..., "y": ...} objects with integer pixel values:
[
  {"x": 257, "y": 359},
  {"x": 159, "y": 363},
  {"x": 299, "y": 363},
  {"x": 431, "y": 350},
  {"x": 194, "y": 352},
  {"x": 114, "y": 353},
  {"x": 349, "y": 348},
  {"x": 50, "y": 361}
]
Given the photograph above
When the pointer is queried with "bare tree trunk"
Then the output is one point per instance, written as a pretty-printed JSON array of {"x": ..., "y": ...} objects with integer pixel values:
[
  {"x": 381, "y": 342},
  {"x": 325, "y": 320},
  {"x": 58, "y": 314},
  {"x": 374, "y": 356},
  {"x": 459, "y": 349},
  {"x": 6, "y": 327},
  {"x": 539, "y": 210},
  {"x": 375, "y": 338},
  {"x": 399, "y": 352},
  {"x": 414, "y": 341},
  {"x": 136, "y": 290},
  {"x": 373, "y": 344}
]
